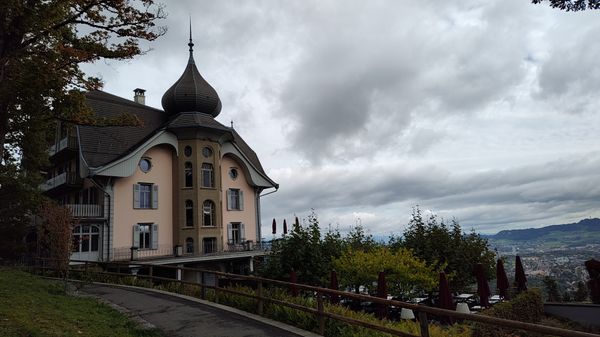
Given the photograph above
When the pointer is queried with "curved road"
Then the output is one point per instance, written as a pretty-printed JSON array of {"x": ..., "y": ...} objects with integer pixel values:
[{"x": 178, "y": 316}]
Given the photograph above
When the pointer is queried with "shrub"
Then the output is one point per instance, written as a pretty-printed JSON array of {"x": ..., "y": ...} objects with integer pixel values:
[{"x": 525, "y": 307}]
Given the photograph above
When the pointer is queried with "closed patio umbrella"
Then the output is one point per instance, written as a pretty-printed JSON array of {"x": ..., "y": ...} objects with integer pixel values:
[
  {"x": 501, "y": 279},
  {"x": 381, "y": 293},
  {"x": 274, "y": 226},
  {"x": 294, "y": 280},
  {"x": 284, "y": 227},
  {"x": 333, "y": 285},
  {"x": 520, "y": 278},
  {"x": 483, "y": 288},
  {"x": 446, "y": 301}
]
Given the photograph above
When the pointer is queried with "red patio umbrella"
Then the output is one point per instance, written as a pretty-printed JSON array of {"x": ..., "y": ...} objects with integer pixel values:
[
  {"x": 297, "y": 224},
  {"x": 520, "y": 278},
  {"x": 501, "y": 279},
  {"x": 381, "y": 293},
  {"x": 483, "y": 288},
  {"x": 446, "y": 301},
  {"x": 333, "y": 285},
  {"x": 274, "y": 226},
  {"x": 284, "y": 227},
  {"x": 293, "y": 288}
]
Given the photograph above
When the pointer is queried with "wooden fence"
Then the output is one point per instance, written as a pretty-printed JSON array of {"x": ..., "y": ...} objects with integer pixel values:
[{"x": 122, "y": 269}]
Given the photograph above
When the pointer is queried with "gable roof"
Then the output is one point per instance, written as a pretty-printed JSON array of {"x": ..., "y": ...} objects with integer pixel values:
[{"x": 100, "y": 146}]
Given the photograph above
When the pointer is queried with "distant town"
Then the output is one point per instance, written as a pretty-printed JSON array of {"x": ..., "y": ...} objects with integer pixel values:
[{"x": 558, "y": 251}]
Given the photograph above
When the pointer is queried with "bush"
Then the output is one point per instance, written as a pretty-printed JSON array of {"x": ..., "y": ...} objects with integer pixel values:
[
  {"x": 525, "y": 307},
  {"x": 333, "y": 328}
]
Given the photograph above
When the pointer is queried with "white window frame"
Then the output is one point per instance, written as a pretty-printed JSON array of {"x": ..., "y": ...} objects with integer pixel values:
[
  {"x": 235, "y": 199},
  {"x": 137, "y": 196},
  {"x": 140, "y": 231}
]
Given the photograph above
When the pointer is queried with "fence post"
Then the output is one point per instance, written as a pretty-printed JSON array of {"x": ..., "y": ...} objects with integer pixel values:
[
  {"x": 216, "y": 288},
  {"x": 202, "y": 286},
  {"x": 423, "y": 323},
  {"x": 151, "y": 274},
  {"x": 259, "y": 293},
  {"x": 320, "y": 310}
]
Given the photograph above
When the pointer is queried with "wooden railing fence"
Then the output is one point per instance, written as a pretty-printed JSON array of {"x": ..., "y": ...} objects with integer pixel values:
[{"x": 422, "y": 311}]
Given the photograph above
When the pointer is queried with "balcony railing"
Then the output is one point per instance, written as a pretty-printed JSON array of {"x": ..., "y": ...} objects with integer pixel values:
[
  {"x": 70, "y": 178},
  {"x": 85, "y": 210},
  {"x": 69, "y": 142}
]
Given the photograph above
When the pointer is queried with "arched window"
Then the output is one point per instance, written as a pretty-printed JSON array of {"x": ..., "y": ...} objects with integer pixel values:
[
  {"x": 189, "y": 245},
  {"x": 189, "y": 213},
  {"x": 207, "y": 175},
  {"x": 85, "y": 238},
  {"x": 208, "y": 213},
  {"x": 189, "y": 175}
]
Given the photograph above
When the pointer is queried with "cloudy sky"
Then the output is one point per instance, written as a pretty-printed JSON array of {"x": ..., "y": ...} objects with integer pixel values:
[{"x": 481, "y": 110}]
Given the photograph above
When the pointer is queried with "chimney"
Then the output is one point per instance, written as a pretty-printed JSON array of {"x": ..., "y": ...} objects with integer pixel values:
[{"x": 139, "y": 96}]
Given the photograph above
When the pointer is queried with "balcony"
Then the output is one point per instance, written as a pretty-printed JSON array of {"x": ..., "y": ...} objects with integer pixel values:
[
  {"x": 85, "y": 210},
  {"x": 68, "y": 142},
  {"x": 65, "y": 179}
]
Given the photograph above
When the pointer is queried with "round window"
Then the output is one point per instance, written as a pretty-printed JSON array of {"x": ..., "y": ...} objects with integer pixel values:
[
  {"x": 145, "y": 165},
  {"x": 187, "y": 151},
  {"x": 233, "y": 173},
  {"x": 207, "y": 152}
]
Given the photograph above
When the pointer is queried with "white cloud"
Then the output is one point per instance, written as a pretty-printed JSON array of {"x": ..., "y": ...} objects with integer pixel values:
[{"x": 480, "y": 110}]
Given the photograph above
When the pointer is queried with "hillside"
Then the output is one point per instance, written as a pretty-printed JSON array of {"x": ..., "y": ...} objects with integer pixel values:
[{"x": 586, "y": 231}]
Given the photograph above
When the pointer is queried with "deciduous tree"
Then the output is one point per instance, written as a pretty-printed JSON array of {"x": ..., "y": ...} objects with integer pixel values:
[
  {"x": 447, "y": 248},
  {"x": 571, "y": 5},
  {"x": 42, "y": 44}
]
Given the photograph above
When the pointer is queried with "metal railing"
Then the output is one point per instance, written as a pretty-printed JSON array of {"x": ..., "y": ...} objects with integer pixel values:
[
  {"x": 71, "y": 178},
  {"x": 261, "y": 297},
  {"x": 85, "y": 210},
  {"x": 66, "y": 142}
]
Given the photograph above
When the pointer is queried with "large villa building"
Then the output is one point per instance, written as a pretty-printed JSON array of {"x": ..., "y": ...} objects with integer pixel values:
[{"x": 181, "y": 188}]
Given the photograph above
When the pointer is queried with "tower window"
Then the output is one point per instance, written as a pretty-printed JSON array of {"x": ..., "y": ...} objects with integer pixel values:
[
  {"x": 189, "y": 175},
  {"x": 208, "y": 213},
  {"x": 189, "y": 213},
  {"x": 207, "y": 175},
  {"x": 189, "y": 245}
]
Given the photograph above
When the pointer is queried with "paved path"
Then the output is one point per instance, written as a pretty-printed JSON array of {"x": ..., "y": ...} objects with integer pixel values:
[{"x": 178, "y": 316}]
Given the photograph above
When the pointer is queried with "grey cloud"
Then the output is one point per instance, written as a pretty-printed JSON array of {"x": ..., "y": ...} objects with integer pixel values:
[
  {"x": 487, "y": 200},
  {"x": 422, "y": 71}
]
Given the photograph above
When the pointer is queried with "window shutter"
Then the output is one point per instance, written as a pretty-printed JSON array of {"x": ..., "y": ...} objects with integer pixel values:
[
  {"x": 229, "y": 233},
  {"x": 155, "y": 196},
  {"x": 136, "y": 236},
  {"x": 229, "y": 200},
  {"x": 154, "y": 236},
  {"x": 242, "y": 232},
  {"x": 241, "y": 200},
  {"x": 136, "y": 196}
]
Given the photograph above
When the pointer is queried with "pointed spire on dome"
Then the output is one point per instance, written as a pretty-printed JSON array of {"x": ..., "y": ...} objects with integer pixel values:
[
  {"x": 191, "y": 44},
  {"x": 191, "y": 92}
]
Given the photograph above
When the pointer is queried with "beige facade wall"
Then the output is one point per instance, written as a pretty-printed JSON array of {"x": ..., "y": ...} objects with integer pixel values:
[
  {"x": 246, "y": 216},
  {"x": 126, "y": 216}
]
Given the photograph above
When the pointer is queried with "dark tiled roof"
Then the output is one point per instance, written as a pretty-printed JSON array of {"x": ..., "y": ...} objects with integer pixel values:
[
  {"x": 195, "y": 119},
  {"x": 191, "y": 92},
  {"x": 102, "y": 145},
  {"x": 248, "y": 152}
]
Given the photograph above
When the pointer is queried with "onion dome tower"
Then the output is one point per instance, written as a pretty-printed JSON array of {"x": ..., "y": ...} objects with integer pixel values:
[{"x": 191, "y": 92}]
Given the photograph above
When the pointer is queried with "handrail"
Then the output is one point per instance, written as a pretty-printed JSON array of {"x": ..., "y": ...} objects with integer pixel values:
[{"x": 320, "y": 291}]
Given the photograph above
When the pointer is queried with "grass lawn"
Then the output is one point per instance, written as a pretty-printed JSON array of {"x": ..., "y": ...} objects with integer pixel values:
[{"x": 31, "y": 306}]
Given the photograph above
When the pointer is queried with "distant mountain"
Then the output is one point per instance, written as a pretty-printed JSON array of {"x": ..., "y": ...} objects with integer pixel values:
[{"x": 582, "y": 232}]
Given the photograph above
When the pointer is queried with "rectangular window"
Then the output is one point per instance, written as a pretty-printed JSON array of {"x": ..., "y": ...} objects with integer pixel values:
[
  {"x": 210, "y": 245},
  {"x": 235, "y": 199},
  {"x": 145, "y": 236},
  {"x": 207, "y": 175},
  {"x": 145, "y": 196},
  {"x": 236, "y": 233}
]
